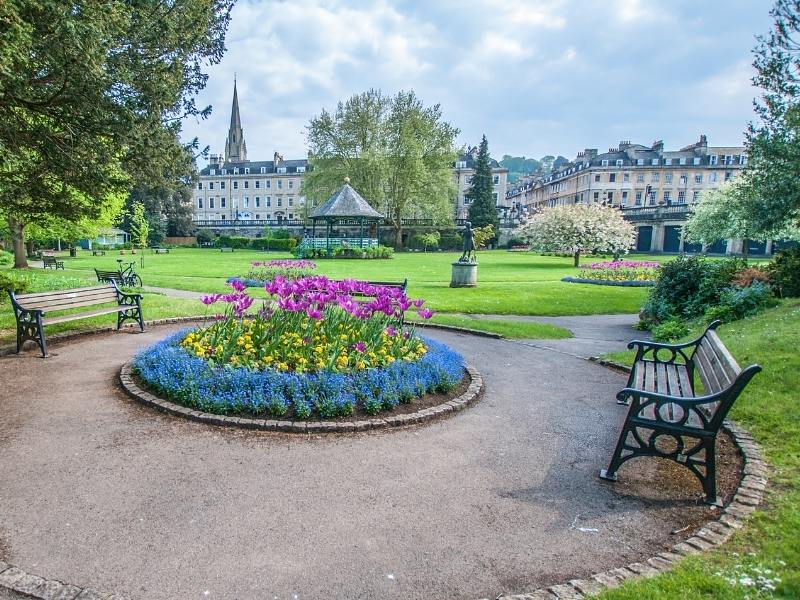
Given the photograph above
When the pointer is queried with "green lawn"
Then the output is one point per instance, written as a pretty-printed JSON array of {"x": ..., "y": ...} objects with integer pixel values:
[
  {"x": 508, "y": 282},
  {"x": 520, "y": 330},
  {"x": 770, "y": 410}
]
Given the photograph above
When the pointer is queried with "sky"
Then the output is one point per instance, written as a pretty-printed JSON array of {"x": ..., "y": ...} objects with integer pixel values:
[{"x": 537, "y": 77}]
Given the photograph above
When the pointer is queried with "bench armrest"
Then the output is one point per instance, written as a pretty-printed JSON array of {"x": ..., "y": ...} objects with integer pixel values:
[{"x": 124, "y": 295}]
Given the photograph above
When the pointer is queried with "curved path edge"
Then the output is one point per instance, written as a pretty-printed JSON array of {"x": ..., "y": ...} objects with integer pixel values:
[
  {"x": 748, "y": 496},
  {"x": 473, "y": 393}
]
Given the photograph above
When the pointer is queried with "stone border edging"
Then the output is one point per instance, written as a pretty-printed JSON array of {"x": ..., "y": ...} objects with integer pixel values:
[
  {"x": 631, "y": 283},
  {"x": 473, "y": 393},
  {"x": 748, "y": 496}
]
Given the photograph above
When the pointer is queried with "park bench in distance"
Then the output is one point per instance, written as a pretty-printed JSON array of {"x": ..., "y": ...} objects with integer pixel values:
[
  {"x": 160, "y": 250},
  {"x": 51, "y": 262},
  {"x": 667, "y": 418},
  {"x": 30, "y": 310},
  {"x": 96, "y": 252},
  {"x": 225, "y": 249}
]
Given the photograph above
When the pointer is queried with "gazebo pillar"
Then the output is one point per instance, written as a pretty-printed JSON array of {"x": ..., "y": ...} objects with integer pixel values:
[
  {"x": 361, "y": 233},
  {"x": 328, "y": 237}
]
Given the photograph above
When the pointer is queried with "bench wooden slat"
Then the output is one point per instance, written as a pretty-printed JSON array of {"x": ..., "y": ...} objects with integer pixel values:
[
  {"x": 76, "y": 303},
  {"x": 713, "y": 379},
  {"x": 687, "y": 388},
  {"x": 673, "y": 386},
  {"x": 84, "y": 315},
  {"x": 639, "y": 379},
  {"x": 34, "y": 295},
  {"x": 726, "y": 360},
  {"x": 64, "y": 301},
  {"x": 662, "y": 383}
]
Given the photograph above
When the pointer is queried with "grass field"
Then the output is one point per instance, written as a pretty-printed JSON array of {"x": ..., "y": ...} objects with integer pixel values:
[
  {"x": 770, "y": 410},
  {"x": 508, "y": 282}
]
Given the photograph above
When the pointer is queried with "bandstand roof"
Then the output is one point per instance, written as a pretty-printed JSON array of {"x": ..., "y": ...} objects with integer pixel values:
[{"x": 346, "y": 203}]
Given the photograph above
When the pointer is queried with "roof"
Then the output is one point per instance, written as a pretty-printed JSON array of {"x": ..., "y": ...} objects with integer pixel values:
[
  {"x": 471, "y": 159},
  {"x": 345, "y": 202},
  {"x": 256, "y": 166}
]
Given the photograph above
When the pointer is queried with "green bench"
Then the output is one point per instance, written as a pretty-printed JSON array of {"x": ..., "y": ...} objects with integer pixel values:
[{"x": 51, "y": 262}]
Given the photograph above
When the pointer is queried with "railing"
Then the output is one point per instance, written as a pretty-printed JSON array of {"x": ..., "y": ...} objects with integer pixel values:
[
  {"x": 307, "y": 224},
  {"x": 261, "y": 223},
  {"x": 338, "y": 243},
  {"x": 642, "y": 213}
]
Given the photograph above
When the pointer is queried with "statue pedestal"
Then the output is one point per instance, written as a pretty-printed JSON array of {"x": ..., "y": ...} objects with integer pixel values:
[{"x": 464, "y": 275}]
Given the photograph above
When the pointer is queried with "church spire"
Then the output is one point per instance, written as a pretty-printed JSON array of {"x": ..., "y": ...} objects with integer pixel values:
[{"x": 235, "y": 148}]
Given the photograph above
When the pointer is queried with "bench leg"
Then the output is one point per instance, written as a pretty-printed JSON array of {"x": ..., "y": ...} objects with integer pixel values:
[
  {"x": 610, "y": 473},
  {"x": 710, "y": 480},
  {"x": 29, "y": 328}
]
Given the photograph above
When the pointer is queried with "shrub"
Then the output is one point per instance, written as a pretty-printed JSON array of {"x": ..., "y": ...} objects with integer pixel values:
[
  {"x": 670, "y": 330},
  {"x": 737, "y": 303},
  {"x": 747, "y": 276},
  {"x": 204, "y": 236},
  {"x": 227, "y": 241},
  {"x": 11, "y": 284},
  {"x": 515, "y": 242},
  {"x": 277, "y": 244},
  {"x": 784, "y": 272},
  {"x": 6, "y": 258},
  {"x": 281, "y": 234},
  {"x": 451, "y": 240}
]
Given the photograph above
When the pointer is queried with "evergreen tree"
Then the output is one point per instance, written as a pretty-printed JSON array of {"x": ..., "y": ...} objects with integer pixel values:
[{"x": 482, "y": 206}]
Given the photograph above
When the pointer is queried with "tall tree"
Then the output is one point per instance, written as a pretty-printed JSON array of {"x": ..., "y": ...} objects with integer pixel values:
[
  {"x": 482, "y": 205},
  {"x": 397, "y": 152},
  {"x": 91, "y": 98},
  {"x": 774, "y": 143}
]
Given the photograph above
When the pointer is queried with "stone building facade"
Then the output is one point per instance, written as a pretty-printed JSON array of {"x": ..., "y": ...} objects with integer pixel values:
[
  {"x": 653, "y": 187},
  {"x": 465, "y": 169}
]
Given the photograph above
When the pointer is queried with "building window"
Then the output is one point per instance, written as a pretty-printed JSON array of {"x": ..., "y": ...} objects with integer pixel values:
[
  {"x": 712, "y": 178},
  {"x": 466, "y": 200},
  {"x": 199, "y": 203},
  {"x": 301, "y": 169},
  {"x": 461, "y": 164},
  {"x": 222, "y": 202},
  {"x": 290, "y": 201},
  {"x": 496, "y": 179},
  {"x": 269, "y": 201},
  {"x": 280, "y": 201},
  {"x": 682, "y": 161},
  {"x": 281, "y": 169},
  {"x": 610, "y": 197},
  {"x": 211, "y": 185},
  {"x": 640, "y": 161},
  {"x": 619, "y": 162},
  {"x": 626, "y": 178},
  {"x": 224, "y": 171},
  {"x": 681, "y": 197},
  {"x": 624, "y": 197},
  {"x": 494, "y": 197},
  {"x": 212, "y": 171},
  {"x": 263, "y": 170},
  {"x": 268, "y": 184},
  {"x": 683, "y": 179},
  {"x": 604, "y": 163},
  {"x": 656, "y": 177},
  {"x": 210, "y": 203},
  {"x": 597, "y": 196},
  {"x": 638, "y": 198},
  {"x": 640, "y": 178},
  {"x": 291, "y": 184},
  {"x": 728, "y": 175},
  {"x": 698, "y": 178},
  {"x": 222, "y": 185},
  {"x": 236, "y": 185},
  {"x": 236, "y": 170},
  {"x": 652, "y": 198},
  {"x": 280, "y": 184},
  {"x": 666, "y": 196},
  {"x": 247, "y": 170},
  {"x": 696, "y": 196},
  {"x": 667, "y": 177},
  {"x": 258, "y": 217},
  {"x": 667, "y": 161},
  {"x": 597, "y": 178},
  {"x": 712, "y": 159},
  {"x": 654, "y": 162},
  {"x": 258, "y": 183},
  {"x": 246, "y": 202},
  {"x": 728, "y": 159},
  {"x": 612, "y": 177},
  {"x": 291, "y": 216},
  {"x": 743, "y": 159},
  {"x": 246, "y": 184},
  {"x": 199, "y": 185}
]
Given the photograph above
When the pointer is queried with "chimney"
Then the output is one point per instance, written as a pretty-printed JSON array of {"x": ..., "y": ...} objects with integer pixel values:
[
  {"x": 590, "y": 153},
  {"x": 658, "y": 146},
  {"x": 703, "y": 141}
]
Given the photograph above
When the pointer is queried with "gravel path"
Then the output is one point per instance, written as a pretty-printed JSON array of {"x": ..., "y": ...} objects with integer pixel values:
[{"x": 100, "y": 491}]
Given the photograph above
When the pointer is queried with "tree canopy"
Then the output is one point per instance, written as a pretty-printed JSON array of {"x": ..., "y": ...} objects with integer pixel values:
[
  {"x": 576, "y": 228},
  {"x": 482, "y": 205},
  {"x": 91, "y": 99},
  {"x": 397, "y": 152},
  {"x": 774, "y": 142}
]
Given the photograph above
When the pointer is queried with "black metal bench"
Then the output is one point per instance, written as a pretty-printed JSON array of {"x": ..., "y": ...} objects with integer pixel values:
[
  {"x": 30, "y": 310},
  {"x": 96, "y": 252},
  {"x": 668, "y": 417},
  {"x": 226, "y": 249},
  {"x": 51, "y": 262},
  {"x": 160, "y": 250}
]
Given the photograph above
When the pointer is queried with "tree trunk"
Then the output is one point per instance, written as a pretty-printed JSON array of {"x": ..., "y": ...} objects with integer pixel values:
[
  {"x": 398, "y": 236},
  {"x": 577, "y": 257},
  {"x": 18, "y": 243},
  {"x": 745, "y": 249}
]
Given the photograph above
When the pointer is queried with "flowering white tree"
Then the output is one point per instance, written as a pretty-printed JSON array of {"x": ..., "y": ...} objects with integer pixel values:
[{"x": 578, "y": 227}]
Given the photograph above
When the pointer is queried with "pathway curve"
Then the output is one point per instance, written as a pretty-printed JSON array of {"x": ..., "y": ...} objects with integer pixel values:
[{"x": 100, "y": 491}]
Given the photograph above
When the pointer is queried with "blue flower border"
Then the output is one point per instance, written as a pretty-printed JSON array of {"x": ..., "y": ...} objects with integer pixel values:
[{"x": 170, "y": 371}]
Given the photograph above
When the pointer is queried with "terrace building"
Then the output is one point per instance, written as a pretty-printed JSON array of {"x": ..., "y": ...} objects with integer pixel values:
[
  {"x": 653, "y": 187},
  {"x": 465, "y": 169}
]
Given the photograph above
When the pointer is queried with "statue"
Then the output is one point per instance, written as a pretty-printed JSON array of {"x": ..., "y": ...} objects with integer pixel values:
[{"x": 468, "y": 236}]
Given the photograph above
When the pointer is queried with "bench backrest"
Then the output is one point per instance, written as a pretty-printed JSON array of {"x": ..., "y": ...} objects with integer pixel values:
[
  {"x": 108, "y": 275},
  {"x": 48, "y": 260},
  {"x": 65, "y": 299}
]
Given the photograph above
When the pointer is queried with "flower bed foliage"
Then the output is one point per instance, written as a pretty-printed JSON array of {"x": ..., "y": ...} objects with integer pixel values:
[
  {"x": 696, "y": 287},
  {"x": 168, "y": 369},
  {"x": 263, "y": 271},
  {"x": 316, "y": 346},
  {"x": 344, "y": 252},
  {"x": 621, "y": 270}
]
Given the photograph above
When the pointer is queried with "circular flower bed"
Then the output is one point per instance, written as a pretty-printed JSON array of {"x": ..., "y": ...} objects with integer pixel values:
[
  {"x": 263, "y": 271},
  {"x": 316, "y": 348},
  {"x": 618, "y": 272}
]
